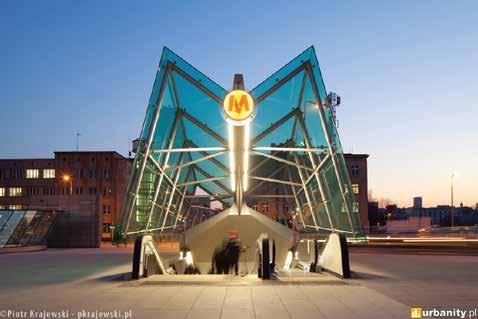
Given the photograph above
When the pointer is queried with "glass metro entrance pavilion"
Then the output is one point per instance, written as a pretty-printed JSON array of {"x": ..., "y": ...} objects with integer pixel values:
[{"x": 234, "y": 148}]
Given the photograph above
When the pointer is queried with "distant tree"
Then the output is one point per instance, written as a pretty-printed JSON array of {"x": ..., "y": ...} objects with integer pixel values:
[{"x": 376, "y": 216}]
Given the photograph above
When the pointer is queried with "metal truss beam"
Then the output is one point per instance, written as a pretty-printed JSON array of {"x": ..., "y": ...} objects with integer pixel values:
[
  {"x": 205, "y": 128},
  {"x": 201, "y": 207},
  {"x": 206, "y": 174},
  {"x": 143, "y": 153},
  {"x": 171, "y": 182},
  {"x": 189, "y": 150},
  {"x": 172, "y": 137},
  {"x": 196, "y": 83},
  {"x": 181, "y": 203},
  {"x": 276, "y": 171},
  {"x": 205, "y": 180},
  {"x": 270, "y": 196},
  {"x": 307, "y": 195},
  {"x": 206, "y": 154},
  {"x": 217, "y": 197},
  {"x": 318, "y": 168},
  {"x": 264, "y": 161},
  {"x": 273, "y": 180},
  {"x": 208, "y": 196},
  {"x": 210, "y": 156},
  {"x": 171, "y": 197},
  {"x": 280, "y": 159},
  {"x": 296, "y": 199},
  {"x": 290, "y": 149},
  {"x": 326, "y": 129},
  {"x": 274, "y": 126},
  {"x": 278, "y": 84},
  {"x": 305, "y": 133}
]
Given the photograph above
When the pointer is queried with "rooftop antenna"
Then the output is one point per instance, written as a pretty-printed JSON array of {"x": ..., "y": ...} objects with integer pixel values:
[
  {"x": 77, "y": 138},
  {"x": 333, "y": 101}
]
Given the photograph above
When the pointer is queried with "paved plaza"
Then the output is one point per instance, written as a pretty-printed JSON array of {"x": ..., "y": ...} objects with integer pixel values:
[{"x": 384, "y": 286}]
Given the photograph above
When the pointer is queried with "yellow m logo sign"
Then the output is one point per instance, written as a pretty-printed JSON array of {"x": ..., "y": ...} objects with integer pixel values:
[{"x": 238, "y": 105}]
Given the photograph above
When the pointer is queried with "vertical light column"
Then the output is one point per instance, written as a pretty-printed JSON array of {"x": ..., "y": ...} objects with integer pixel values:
[
  {"x": 232, "y": 164},
  {"x": 245, "y": 161},
  {"x": 238, "y": 111}
]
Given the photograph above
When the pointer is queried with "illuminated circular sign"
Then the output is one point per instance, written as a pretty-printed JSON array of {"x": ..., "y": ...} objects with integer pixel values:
[{"x": 238, "y": 107}]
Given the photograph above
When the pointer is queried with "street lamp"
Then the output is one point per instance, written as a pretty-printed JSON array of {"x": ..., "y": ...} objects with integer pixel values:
[
  {"x": 67, "y": 178},
  {"x": 452, "y": 207}
]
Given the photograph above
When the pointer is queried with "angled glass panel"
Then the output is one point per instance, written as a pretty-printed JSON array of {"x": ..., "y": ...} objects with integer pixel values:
[{"x": 153, "y": 200}]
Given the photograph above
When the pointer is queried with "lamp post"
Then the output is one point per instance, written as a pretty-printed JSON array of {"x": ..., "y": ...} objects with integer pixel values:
[
  {"x": 452, "y": 207},
  {"x": 66, "y": 179}
]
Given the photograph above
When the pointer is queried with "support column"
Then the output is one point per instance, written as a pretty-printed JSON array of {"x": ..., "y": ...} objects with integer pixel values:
[
  {"x": 296, "y": 200},
  {"x": 172, "y": 136}
]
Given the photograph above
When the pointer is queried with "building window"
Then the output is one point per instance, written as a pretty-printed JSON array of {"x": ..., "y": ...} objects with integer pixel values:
[
  {"x": 79, "y": 173},
  {"x": 2, "y": 191},
  {"x": 15, "y": 173},
  {"x": 33, "y": 173},
  {"x": 106, "y": 227},
  {"x": 355, "y": 206},
  {"x": 107, "y": 173},
  {"x": 31, "y": 191},
  {"x": 254, "y": 206},
  {"x": 79, "y": 190},
  {"x": 356, "y": 188},
  {"x": 49, "y": 173},
  {"x": 92, "y": 190},
  {"x": 106, "y": 209},
  {"x": 48, "y": 191},
  {"x": 15, "y": 207},
  {"x": 15, "y": 191},
  {"x": 355, "y": 170},
  {"x": 93, "y": 173},
  {"x": 107, "y": 191},
  {"x": 266, "y": 207}
]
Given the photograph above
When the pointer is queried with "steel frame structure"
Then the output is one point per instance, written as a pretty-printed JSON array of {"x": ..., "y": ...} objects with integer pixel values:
[{"x": 304, "y": 162}]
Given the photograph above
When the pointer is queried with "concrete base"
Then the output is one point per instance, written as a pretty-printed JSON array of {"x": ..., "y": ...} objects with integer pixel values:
[
  {"x": 335, "y": 256},
  {"x": 22, "y": 249}
]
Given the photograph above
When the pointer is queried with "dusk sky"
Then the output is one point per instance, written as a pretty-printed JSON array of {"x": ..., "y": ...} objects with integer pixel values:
[{"x": 406, "y": 71}]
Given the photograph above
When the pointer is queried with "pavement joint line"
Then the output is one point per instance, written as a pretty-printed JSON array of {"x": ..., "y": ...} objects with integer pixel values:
[
  {"x": 223, "y": 301},
  {"x": 340, "y": 300},
  {"x": 252, "y": 301},
  {"x": 283, "y": 304},
  {"x": 194, "y": 302},
  {"x": 313, "y": 303}
]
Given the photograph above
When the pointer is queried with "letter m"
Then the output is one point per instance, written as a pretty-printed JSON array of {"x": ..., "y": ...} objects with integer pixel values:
[{"x": 237, "y": 106}]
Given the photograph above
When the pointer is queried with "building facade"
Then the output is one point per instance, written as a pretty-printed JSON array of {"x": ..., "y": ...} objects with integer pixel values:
[
  {"x": 96, "y": 181},
  {"x": 92, "y": 182},
  {"x": 22, "y": 180},
  {"x": 357, "y": 167},
  {"x": 417, "y": 202}
]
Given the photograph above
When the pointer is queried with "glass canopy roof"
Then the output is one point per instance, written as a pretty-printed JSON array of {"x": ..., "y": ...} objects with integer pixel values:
[{"x": 294, "y": 151}]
